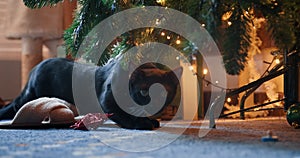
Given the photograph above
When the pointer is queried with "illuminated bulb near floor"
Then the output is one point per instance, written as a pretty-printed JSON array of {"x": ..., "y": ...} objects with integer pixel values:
[
  {"x": 194, "y": 57},
  {"x": 228, "y": 100},
  {"x": 205, "y": 71},
  {"x": 162, "y": 2},
  {"x": 162, "y": 33},
  {"x": 178, "y": 41},
  {"x": 157, "y": 22},
  {"x": 226, "y": 16},
  {"x": 168, "y": 37},
  {"x": 277, "y": 61}
]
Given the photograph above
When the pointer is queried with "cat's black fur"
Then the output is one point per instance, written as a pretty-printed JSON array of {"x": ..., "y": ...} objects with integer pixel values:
[{"x": 53, "y": 78}]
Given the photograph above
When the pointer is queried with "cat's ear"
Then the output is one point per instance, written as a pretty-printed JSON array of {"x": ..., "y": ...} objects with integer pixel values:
[
  {"x": 175, "y": 74},
  {"x": 178, "y": 71}
]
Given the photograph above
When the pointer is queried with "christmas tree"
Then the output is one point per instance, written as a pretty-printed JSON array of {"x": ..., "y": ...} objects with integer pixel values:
[{"x": 228, "y": 22}]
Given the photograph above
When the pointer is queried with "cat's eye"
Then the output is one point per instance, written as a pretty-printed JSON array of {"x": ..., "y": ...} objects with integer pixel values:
[{"x": 144, "y": 93}]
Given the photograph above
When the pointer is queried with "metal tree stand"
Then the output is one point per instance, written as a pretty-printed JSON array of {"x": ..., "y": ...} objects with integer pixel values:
[{"x": 291, "y": 78}]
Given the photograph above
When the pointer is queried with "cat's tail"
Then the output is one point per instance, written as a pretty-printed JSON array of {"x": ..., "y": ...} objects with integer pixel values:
[
  {"x": 7, "y": 112},
  {"x": 10, "y": 110},
  {"x": 2, "y": 103}
]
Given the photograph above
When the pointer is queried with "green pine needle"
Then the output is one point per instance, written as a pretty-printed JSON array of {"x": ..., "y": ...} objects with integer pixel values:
[{"x": 40, "y": 3}]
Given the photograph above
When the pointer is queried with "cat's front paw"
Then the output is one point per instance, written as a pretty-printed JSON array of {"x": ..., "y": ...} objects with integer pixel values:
[
  {"x": 146, "y": 124},
  {"x": 155, "y": 123}
]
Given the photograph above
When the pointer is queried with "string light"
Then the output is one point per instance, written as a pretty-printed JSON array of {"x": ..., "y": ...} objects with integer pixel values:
[
  {"x": 157, "y": 22},
  {"x": 162, "y": 33},
  {"x": 205, "y": 71},
  {"x": 162, "y": 2},
  {"x": 228, "y": 100},
  {"x": 191, "y": 68},
  {"x": 168, "y": 37},
  {"x": 178, "y": 41},
  {"x": 226, "y": 16},
  {"x": 229, "y": 23},
  {"x": 277, "y": 61},
  {"x": 203, "y": 25},
  {"x": 194, "y": 57}
]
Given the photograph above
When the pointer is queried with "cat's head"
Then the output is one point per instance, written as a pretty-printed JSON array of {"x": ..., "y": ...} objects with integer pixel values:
[{"x": 152, "y": 73}]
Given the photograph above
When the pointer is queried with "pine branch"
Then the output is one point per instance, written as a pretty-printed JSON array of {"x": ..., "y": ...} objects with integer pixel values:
[
  {"x": 236, "y": 42},
  {"x": 91, "y": 13},
  {"x": 40, "y": 3},
  {"x": 281, "y": 22}
]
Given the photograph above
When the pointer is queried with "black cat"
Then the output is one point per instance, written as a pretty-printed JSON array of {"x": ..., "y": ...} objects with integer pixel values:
[{"x": 53, "y": 78}]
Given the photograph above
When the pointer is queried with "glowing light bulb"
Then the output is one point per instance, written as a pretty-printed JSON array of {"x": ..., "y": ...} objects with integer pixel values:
[
  {"x": 162, "y": 2},
  {"x": 177, "y": 58},
  {"x": 229, "y": 23},
  {"x": 194, "y": 57},
  {"x": 162, "y": 33},
  {"x": 168, "y": 37},
  {"x": 191, "y": 68},
  {"x": 227, "y": 15},
  {"x": 205, "y": 71},
  {"x": 217, "y": 82},
  {"x": 203, "y": 25},
  {"x": 228, "y": 100},
  {"x": 178, "y": 41},
  {"x": 277, "y": 61},
  {"x": 157, "y": 22}
]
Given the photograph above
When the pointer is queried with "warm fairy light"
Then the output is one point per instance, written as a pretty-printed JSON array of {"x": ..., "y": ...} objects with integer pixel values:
[
  {"x": 228, "y": 100},
  {"x": 191, "y": 68},
  {"x": 162, "y": 2},
  {"x": 226, "y": 16},
  {"x": 217, "y": 82},
  {"x": 177, "y": 58},
  {"x": 203, "y": 25},
  {"x": 194, "y": 57},
  {"x": 158, "y": 22},
  {"x": 205, "y": 71},
  {"x": 277, "y": 61},
  {"x": 168, "y": 37},
  {"x": 162, "y": 33},
  {"x": 178, "y": 41},
  {"x": 229, "y": 23}
]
